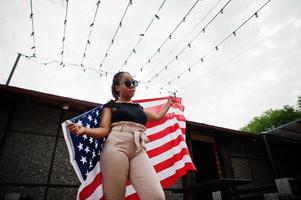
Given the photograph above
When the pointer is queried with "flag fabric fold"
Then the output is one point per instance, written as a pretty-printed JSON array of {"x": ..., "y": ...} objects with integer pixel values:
[{"x": 166, "y": 149}]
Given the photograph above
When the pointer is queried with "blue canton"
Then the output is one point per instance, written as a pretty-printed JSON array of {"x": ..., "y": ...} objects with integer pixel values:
[{"x": 87, "y": 149}]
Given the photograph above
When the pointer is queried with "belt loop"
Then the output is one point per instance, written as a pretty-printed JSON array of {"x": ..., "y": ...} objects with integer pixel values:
[{"x": 121, "y": 128}]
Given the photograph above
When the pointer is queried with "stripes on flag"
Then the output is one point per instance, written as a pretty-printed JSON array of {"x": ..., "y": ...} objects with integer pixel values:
[{"x": 167, "y": 150}]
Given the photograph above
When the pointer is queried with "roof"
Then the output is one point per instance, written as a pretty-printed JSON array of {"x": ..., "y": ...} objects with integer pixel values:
[
  {"x": 217, "y": 129},
  {"x": 291, "y": 130},
  {"x": 31, "y": 95}
]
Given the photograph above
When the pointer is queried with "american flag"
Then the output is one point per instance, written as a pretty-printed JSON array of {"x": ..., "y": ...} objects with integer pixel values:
[{"x": 167, "y": 149}]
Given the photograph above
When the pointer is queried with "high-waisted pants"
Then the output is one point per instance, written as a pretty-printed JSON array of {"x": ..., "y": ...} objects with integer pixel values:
[{"x": 123, "y": 158}]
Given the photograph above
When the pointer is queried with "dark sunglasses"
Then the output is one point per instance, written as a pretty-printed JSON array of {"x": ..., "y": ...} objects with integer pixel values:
[{"x": 129, "y": 83}]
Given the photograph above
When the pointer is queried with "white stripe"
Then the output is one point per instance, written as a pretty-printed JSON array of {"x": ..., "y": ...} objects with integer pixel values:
[
  {"x": 153, "y": 103},
  {"x": 177, "y": 111},
  {"x": 172, "y": 170},
  {"x": 168, "y": 154},
  {"x": 163, "y": 140},
  {"x": 97, "y": 194},
  {"x": 129, "y": 190},
  {"x": 164, "y": 173},
  {"x": 90, "y": 177},
  {"x": 161, "y": 127},
  {"x": 93, "y": 172},
  {"x": 159, "y": 103},
  {"x": 71, "y": 151}
]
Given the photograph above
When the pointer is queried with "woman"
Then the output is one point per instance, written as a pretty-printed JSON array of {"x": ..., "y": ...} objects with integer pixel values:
[{"x": 123, "y": 155}]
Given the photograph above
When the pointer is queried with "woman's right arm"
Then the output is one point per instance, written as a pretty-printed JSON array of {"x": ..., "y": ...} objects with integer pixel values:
[{"x": 100, "y": 132}]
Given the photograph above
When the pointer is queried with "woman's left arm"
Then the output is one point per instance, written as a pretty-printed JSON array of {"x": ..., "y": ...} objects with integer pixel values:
[{"x": 158, "y": 116}]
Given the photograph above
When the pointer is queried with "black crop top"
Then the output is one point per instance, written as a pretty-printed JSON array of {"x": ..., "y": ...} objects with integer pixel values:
[{"x": 126, "y": 112}]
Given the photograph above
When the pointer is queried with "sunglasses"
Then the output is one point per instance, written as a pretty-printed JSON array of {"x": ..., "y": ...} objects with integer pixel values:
[{"x": 129, "y": 83}]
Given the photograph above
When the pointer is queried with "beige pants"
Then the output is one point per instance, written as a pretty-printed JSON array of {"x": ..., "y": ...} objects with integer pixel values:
[{"x": 123, "y": 157}]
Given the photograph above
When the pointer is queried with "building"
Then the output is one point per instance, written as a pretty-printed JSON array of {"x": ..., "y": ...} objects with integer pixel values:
[{"x": 34, "y": 161}]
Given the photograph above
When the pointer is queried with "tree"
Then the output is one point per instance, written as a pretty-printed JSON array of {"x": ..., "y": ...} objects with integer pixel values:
[{"x": 271, "y": 119}]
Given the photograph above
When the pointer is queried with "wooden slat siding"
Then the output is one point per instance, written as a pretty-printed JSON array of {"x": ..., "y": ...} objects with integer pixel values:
[{"x": 209, "y": 139}]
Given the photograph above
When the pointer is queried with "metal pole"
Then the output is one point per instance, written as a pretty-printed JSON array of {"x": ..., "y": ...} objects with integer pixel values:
[
  {"x": 13, "y": 69},
  {"x": 270, "y": 157}
]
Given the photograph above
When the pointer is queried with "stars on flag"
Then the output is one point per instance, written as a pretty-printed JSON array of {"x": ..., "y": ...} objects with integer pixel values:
[
  {"x": 87, "y": 149},
  {"x": 80, "y": 146},
  {"x": 83, "y": 160}
]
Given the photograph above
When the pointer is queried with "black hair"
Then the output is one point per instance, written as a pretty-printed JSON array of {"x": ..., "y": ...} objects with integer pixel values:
[{"x": 116, "y": 79}]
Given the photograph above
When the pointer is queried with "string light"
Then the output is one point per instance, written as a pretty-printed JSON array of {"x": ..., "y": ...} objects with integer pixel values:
[
  {"x": 227, "y": 61},
  {"x": 91, "y": 28},
  {"x": 133, "y": 50},
  {"x": 189, "y": 45},
  {"x": 170, "y": 35},
  {"x": 216, "y": 47},
  {"x": 101, "y": 73},
  {"x": 65, "y": 24},
  {"x": 194, "y": 38},
  {"x": 112, "y": 41},
  {"x": 70, "y": 65},
  {"x": 32, "y": 32},
  {"x": 143, "y": 34}
]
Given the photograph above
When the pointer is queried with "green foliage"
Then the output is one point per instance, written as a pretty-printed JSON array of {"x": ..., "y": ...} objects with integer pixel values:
[
  {"x": 271, "y": 119},
  {"x": 299, "y": 103}
]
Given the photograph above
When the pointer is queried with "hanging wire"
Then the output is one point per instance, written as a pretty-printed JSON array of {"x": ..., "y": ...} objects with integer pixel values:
[
  {"x": 237, "y": 56},
  {"x": 69, "y": 65},
  {"x": 65, "y": 24},
  {"x": 233, "y": 58},
  {"x": 91, "y": 28},
  {"x": 112, "y": 41},
  {"x": 32, "y": 32},
  {"x": 100, "y": 72},
  {"x": 176, "y": 46},
  {"x": 215, "y": 47},
  {"x": 189, "y": 43},
  {"x": 156, "y": 16},
  {"x": 235, "y": 31},
  {"x": 169, "y": 36}
]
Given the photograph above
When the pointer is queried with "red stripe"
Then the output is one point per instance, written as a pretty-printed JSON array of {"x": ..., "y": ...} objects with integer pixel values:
[
  {"x": 166, "y": 118},
  {"x": 133, "y": 196},
  {"x": 180, "y": 172},
  {"x": 165, "y": 132},
  {"x": 171, "y": 161},
  {"x": 165, "y": 147},
  {"x": 156, "y": 108},
  {"x": 177, "y": 100},
  {"x": 89, "y": 189}
]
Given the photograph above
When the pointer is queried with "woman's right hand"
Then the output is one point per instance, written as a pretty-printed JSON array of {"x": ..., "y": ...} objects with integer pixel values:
[{"x": 76, "y": 129}]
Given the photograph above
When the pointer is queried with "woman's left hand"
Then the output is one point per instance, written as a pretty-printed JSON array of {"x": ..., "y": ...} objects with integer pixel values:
[{"x": 171, "y": 100}]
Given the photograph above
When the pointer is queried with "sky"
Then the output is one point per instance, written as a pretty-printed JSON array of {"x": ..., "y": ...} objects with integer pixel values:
[{"x": 255, "y": 69}]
